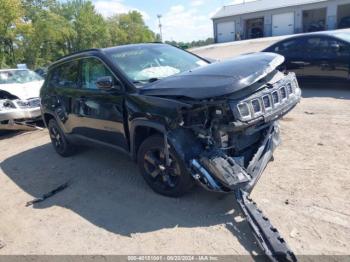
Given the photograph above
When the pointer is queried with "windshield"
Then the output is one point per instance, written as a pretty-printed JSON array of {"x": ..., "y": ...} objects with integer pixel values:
[
  {"x": 147, "y": 63},
  {"x": 344, "y": 36},
  {"x": 18, "y": 76}
]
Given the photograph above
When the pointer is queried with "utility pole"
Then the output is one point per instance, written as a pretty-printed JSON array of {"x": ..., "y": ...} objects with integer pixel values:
[{"x": 160, "y": 27}]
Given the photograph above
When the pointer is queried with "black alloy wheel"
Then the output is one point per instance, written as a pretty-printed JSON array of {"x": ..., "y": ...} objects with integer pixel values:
[
  {"x": 170, "y": 180},
  {"x": 58, "y": 140}
]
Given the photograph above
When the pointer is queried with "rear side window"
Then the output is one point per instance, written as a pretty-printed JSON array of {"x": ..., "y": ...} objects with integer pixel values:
[
  {"x": 329, "y": 47},
  {"x": 317, "y": 44},
  {"x": 65, "y": 76}
]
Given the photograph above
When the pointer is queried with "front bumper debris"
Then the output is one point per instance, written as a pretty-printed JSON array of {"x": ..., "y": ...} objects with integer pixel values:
[
  {"x": 18, "y": 113},
  {"x": 22, "y": 126},
  {"x": 268, "y": 237},
  {"x": 270, "y": 241},
  {"x": 222, "y": 173},
  {"x": 242, "y": 182}
]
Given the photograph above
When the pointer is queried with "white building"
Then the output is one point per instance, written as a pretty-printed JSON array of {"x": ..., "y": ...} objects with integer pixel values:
[{"x": 277, "y": 17}]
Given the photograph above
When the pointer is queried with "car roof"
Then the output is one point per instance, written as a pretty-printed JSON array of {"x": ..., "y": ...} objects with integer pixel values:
[
  {"x": 332, "y": 33},
  {"x": 321, "y": 33},
  {"x": 100, "y": 50},
  {"x": 123, "y": 47}
]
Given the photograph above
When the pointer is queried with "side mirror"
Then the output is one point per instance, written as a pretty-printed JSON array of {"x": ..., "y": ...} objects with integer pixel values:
[{"x": 104, "y": 82}]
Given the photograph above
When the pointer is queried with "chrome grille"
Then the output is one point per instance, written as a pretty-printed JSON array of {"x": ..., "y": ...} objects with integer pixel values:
[
  {"x": 269, "y": 100},
  {"x": 283, "y": 93},
  {"x": 275, "y": 97},
  {"x": 256, "y": 106}
]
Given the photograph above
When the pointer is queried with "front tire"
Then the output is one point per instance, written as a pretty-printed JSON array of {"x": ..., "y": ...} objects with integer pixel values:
[
  {"x": 58, "y": 140},
  {"x": 172, "y": 181}
]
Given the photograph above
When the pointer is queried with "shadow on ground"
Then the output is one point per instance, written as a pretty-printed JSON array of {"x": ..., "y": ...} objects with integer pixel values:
[
  {"x": 106, "y": 189},
  {"x": 325, "y": 90}
]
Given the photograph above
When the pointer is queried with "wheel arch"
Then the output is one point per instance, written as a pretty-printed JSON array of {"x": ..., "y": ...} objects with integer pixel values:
[{"x": 140, "y": 129}]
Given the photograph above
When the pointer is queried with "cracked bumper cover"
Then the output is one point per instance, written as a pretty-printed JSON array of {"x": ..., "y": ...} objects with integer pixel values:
[{"x": 245, "y": 179}]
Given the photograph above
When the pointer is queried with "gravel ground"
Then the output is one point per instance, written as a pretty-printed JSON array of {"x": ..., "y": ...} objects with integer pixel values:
[{"x": 108, "y": 208}]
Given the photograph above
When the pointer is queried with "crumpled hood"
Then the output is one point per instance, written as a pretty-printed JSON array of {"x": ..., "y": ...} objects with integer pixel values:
[
  {"x": 23, "y": 91},
  {"x": 216, "y": 79}
]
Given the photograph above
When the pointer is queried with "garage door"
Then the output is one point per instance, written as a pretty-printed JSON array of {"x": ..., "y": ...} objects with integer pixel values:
[
  {"x": 226, "y": 32},
  {"x": 283, "y": 24}
]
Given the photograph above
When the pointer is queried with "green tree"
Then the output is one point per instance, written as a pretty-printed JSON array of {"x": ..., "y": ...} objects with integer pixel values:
[
  {"x": 89, "y": 26},
  {"x": 32, "y": 8},
  {"x": 129, "y": 28},
  {"x": 37, "y": 32},
  {"x": 10, "y": 14}
]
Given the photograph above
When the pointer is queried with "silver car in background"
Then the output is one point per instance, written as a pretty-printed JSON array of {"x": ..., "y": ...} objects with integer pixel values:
[{"x": 19, "y": 98}]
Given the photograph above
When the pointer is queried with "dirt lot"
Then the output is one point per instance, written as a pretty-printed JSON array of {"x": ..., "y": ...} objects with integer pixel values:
[
  {"x": 108, "y": 208},
  {"x": 223, "y": 51}
]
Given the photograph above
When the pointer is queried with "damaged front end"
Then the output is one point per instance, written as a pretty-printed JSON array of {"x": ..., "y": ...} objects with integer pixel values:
[
  {"x": 18, "y": 114},
  {"x": 228, "y": 143},
  {"x": 233, "y": 140}
]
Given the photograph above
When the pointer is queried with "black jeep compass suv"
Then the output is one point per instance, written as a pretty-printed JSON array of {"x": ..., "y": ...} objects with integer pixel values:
[{"x": 183, "y": 119}]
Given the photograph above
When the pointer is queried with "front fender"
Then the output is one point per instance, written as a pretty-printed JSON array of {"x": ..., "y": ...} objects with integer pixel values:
[{"x": 142, "y": 122}]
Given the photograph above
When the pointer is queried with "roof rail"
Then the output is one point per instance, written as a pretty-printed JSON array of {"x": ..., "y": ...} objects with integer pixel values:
[{"x": 79, "y": 52}]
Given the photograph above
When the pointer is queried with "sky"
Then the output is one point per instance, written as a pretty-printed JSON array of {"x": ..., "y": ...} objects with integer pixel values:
[{"x": 182, "y": 20}]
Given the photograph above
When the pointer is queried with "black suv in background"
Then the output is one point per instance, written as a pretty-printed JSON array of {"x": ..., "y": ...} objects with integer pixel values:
[{"x": 181, "y": 118}]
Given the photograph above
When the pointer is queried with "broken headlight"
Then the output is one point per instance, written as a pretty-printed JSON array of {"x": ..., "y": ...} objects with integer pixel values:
[
  {"x": 282, "y": 94},
  {"x": 6, "y": 105}
]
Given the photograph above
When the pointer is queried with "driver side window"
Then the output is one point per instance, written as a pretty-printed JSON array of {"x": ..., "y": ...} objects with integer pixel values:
[{"x": 92, "y": 70}]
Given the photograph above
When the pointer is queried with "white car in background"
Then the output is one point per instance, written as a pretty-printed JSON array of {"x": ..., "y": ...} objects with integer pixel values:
[{"x": 19, "y": 98}]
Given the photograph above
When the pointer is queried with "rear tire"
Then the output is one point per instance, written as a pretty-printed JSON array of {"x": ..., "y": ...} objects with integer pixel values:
[
  {"x": 172, "y": 181},
  {"x": 59, "y": 140}
]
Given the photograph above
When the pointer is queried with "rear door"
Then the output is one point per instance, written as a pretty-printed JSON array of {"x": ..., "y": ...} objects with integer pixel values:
[
  {"x": 328, "y": 59},
  {"x": 64, "y": 83},
  {"x": 339, "y": 60},
  {"x": 100, "y": 112}
]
